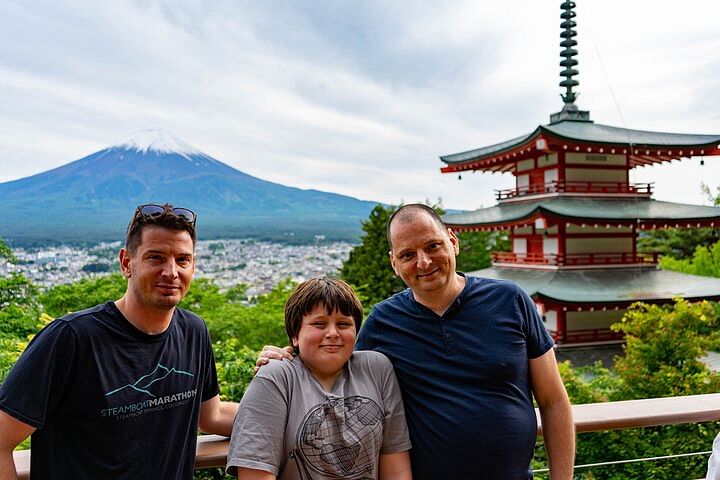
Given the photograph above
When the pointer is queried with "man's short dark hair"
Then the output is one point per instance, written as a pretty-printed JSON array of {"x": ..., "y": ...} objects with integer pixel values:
[
  {"x": 167, "y": 219},
  {"x": 409, "y": 212},
  {"x": 332, "y": 293}
]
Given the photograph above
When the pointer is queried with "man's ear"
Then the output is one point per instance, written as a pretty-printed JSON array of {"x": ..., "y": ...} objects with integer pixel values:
[
  {"x": 294, "y": 342},
  {"x": 454, "y": 241},
  {"x": 125, "y": 263},
  {"x": 392, "y": 262}
]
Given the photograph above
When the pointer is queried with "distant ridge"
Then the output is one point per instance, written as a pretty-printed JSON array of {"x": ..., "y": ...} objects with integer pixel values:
[{"x": 93, "y": 198}]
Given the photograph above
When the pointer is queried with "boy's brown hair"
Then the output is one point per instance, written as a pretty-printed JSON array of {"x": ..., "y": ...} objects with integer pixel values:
[{"x": 332, "y": 293}]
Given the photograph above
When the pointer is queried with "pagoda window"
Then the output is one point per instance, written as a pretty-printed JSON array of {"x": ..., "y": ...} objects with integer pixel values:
[
  {"x": 551, "y": 176},
  {"x": 519, "y": 245},
  {"x": 551, "y": 320},
  {"x": 550, "y": 245},
  {"x": 523, "y": 183}
]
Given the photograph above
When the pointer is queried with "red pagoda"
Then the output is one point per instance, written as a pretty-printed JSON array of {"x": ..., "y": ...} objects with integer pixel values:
[{"x": 574, "y": 218}]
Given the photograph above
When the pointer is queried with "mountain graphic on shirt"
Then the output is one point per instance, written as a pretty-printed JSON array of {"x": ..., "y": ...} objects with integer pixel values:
[{"x": 143, "y": 383}]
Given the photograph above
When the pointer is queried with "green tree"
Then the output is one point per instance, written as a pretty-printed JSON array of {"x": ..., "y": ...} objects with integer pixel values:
[
  {"x": 679, "y": 243},
  {"x": 663, "y": 345},
  {"x": 705, "y": 261},
  {"x": 6, "y": 252},
  {"x": 368, "y": 267},
  {"x": 63, "y": 299},
  {"x": 476, "y": 249}
]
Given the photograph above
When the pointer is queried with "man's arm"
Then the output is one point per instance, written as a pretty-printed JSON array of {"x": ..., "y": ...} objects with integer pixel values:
[
  {"x": 12, "y": 432},
  {"x": 217, "y": 417},
  {"x": 395, "y": 466},
  {"x": 556, "y": 415}
]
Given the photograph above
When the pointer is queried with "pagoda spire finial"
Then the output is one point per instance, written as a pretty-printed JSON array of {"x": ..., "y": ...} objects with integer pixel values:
[
  {"x": 570, "y": 111},
  {"x": 567, "y": 34}
]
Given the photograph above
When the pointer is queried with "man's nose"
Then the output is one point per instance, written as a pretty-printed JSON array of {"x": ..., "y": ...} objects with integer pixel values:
[
  {"x": 170, "y": 269},
  {"x": 423, "y": 260},
  {"x": 331, "y": 331}
]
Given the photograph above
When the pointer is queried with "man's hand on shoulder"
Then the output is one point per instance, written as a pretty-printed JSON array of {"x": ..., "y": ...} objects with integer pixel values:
[{"x": 271, "y": 352}]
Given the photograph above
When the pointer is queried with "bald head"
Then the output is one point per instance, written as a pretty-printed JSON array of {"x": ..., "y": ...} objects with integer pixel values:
[{"x": 409, "y": 213}]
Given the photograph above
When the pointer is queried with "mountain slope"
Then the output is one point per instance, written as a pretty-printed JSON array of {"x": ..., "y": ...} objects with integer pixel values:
[{"x": 93, "y": 198}]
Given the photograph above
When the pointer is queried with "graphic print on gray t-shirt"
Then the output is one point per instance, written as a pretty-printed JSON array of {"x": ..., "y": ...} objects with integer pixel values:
[{"x": 331, "y": 437}]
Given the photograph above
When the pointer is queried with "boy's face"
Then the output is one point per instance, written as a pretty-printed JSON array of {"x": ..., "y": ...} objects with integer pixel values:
[{"x": 326, "y": 341}]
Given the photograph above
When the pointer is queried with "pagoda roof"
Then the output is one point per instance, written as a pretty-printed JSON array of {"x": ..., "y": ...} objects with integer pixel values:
[
  {"x": 645, "y": 147},
  {"x": 648, "y": 212},
  {"x": 608, "y": 286}
]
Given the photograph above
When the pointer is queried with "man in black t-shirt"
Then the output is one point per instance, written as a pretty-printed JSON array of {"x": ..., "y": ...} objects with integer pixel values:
[{"x": 119, "y": 390}]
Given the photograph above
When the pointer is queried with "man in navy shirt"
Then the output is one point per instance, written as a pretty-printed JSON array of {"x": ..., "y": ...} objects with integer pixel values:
[
  {"x": 469, "y": 354},
  {"x": 119, "y": 390}
]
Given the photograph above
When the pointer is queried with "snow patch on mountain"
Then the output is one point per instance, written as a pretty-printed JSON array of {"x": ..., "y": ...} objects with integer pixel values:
[{"x": 158, "y": 141}]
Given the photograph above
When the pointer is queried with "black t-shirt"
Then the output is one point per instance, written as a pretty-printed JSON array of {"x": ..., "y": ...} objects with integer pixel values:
[{"x": 110, "y": 401}]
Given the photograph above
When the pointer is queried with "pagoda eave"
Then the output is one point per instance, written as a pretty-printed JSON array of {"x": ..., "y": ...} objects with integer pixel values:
[
  {"x": 607, "y": 140},
  {"x": 644, "y": 214},
  {"x": 578, "y": 290}
]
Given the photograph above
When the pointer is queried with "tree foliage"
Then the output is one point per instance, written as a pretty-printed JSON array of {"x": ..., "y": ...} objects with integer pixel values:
[
  {"x": 679, "y": 243},
  {"x": 476, "y": 249},
  {"x": 661, "y": 359},
  {"x": 6, "y": 252},
  {"x": 71, "y": 297},
  {"x": 705, "y": 261},
  {"x": 368, "y": 266},
  {"x": 663, "y": 345}
]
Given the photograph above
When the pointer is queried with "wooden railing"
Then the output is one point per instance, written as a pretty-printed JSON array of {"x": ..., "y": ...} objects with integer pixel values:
[
  {"x": 576, "y": 259},
  {"x": 589, "y": 336},
  {"x": 644, "y": 189},
  {"x": 212, "y": 449}
]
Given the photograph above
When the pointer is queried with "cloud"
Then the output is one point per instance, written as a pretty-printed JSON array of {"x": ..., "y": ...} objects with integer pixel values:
[{"x": 357, "y": 98}]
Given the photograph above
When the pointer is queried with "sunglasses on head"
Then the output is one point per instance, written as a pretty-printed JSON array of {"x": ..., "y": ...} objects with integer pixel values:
[{"x": 154, "y": 210}]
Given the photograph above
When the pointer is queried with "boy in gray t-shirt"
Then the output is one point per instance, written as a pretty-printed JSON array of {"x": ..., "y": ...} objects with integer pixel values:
[{"x": 328, "y": 414}]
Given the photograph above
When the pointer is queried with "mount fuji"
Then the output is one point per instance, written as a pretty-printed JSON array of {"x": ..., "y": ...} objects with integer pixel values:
[{"x": 93, "y": 198}]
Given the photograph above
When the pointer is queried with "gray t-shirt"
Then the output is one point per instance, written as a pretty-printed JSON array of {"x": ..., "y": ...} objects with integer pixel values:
[{"x": 289, "y": 426}]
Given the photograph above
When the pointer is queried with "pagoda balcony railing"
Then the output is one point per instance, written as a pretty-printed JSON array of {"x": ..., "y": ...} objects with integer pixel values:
[
  {"x": 644, "y": 189},
  {"x": 576, "y": 259},
  {"x": 592, "y": 417},
  {"x": 588, "y": 336}
]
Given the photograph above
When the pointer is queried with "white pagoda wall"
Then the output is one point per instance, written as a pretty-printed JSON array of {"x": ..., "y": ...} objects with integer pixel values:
[
  {"x": 592, "y": 320},
  {"x": 599, "y": 245},
  {"x": 595, "y": 159},
  {"x": 550, "y": 245},
  {"x": 551, "y": 320},
  {"x": 595, "y": 175},
  {"x": 519, "y": 245}
]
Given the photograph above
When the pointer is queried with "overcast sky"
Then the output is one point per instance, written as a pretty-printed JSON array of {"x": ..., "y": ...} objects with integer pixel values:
[{"x": 358, "y": 98}]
